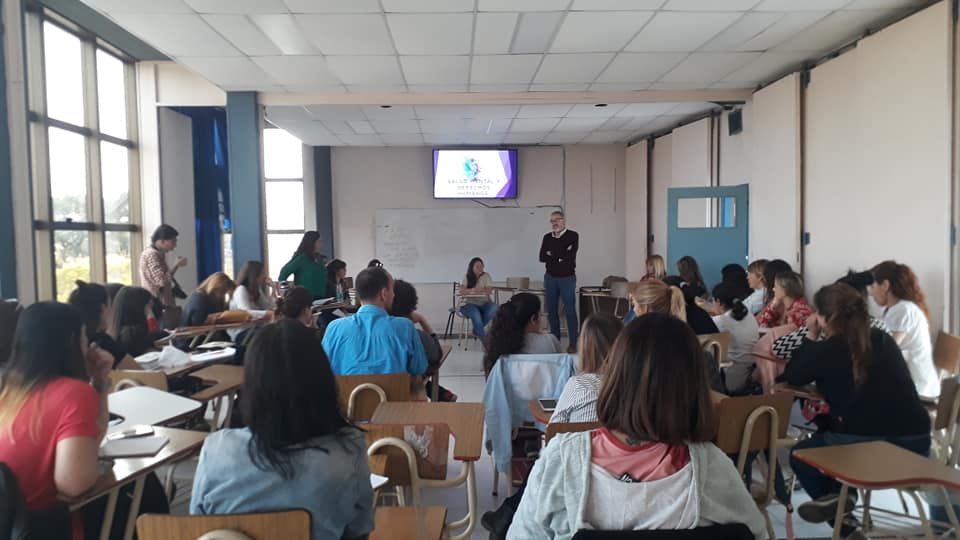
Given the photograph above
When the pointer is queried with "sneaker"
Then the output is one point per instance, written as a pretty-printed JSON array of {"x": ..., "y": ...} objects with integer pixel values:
[
  {"x": 825, "y": 508},
  {"x": 446, "y": 395},
  {"x": 497, "y": 521}
]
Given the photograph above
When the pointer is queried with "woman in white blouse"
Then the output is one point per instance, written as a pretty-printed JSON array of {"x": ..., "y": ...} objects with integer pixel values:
[
  {"x": 254, "y": 293},
  {"x": 733, "y": 316},
  {"x": 578, "y": 401}
]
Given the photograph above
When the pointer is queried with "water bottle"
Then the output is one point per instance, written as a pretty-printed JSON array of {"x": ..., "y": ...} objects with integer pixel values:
[{"x": 339, "y": 293}]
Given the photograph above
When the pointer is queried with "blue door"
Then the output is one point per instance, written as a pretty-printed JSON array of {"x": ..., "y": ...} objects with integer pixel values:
[{"x": 711, "y": 225}]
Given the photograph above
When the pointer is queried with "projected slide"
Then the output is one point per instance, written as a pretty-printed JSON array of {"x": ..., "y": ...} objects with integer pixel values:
[{"x": 474, "y": 174}]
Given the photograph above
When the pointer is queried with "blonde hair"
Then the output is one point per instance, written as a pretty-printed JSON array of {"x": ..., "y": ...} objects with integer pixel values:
[
  {"x": 597, "y": 335},
  {"x": 218, "y": 285},
  {"x": 659, "y": 297},
  {"x": 659, "y": 267}
]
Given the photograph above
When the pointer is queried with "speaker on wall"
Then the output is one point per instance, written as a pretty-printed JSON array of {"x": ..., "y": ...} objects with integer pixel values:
[{"x": 734, "y": 122}]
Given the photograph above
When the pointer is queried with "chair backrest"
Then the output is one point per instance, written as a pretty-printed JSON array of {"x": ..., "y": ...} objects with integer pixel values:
[
  {"x": 518, "y": 283},
  {"x": 287, "y": 524},
  {"x": 948, "y": 418},
  {"x": 125, "y": 378},
  {"x": 717, "y": 343},
  {"x": 619, "y": 289},
  {"x": 734, "y": 412},
  {"x": 423, "y": 457},
  {"x": 946, "y": 353},
  {"x": 728, "y": 531},
  {"x": 359, "y": 405},
  {"x": 568, "y": 427}
]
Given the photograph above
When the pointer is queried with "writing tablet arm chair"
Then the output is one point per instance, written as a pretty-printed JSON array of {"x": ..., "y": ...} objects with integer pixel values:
[
  {"x": 946, "y": 353},
  {"x": 127, "y": 378},
  {"x": 727, "y": 531},
  {"x": 287, "y": 524},
  {"x": 352, "y": 400},
  {"x": 361, "y": 394},
  {"x": 557, "y": 428}
]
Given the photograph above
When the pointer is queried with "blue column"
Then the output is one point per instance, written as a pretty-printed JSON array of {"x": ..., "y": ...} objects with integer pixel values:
[
  {"x": 246, "y": 200},
  {"x": 8, "y": 267},
  {"x": 323, "y": 180}
]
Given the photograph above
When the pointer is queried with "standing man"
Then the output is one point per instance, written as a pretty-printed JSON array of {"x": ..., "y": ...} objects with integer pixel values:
[
  {"x": 156, "y": 276},
  {"x": 559, "y": 251}
]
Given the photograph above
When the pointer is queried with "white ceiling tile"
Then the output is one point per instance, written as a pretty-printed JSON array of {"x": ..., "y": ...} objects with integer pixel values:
[
  {"x": 498, "y": 88},
  {"x": 299, "y": 70},
  {"x": 494, "y": 32},
  {"x": 535, "y": 31},
  {"x": 427, "y": 6},
  {"x": 336, "y": 126},
  {"x": 435, "y": 69},
  {"x": 311, "y": 135},
  {"x": 646, "y": 109},
  {"x": 241, "y": 7},
  {"x": 805, "y": 5},
  {"x": 444, "y": 125},
  {"x": 366, "y": 70},
  {"x": 396, "y": 126},
  {"x": 527, "y": 125},
  {"x": 885, "y": 4},
  {"x": 347, "y": 34},
  {"x": 745, "y": 29},
  {"x": 361, "y": 140},
  {"x": 707, "y": 68},
  {"x": 601, "y": 31},
  {"x": 725, "y": 85},
  {"x": 788, "y": 25},
  {"x": 638, "y": 123},
  {"x": 139, "y": 6},
  {"x": 394, "y": 139},
  {"x": 283, "y": 113},
  {"x": 232, "y": 71},
  {"x": 579, "y": 124},
  {"x": 504, "y": 69},
  {"x": 489, "y": 125},
  {"x": 638, "y": 67},
  {"x": 570, "y": 87},
  {"x": 710, "y": 5},
  {"x": 361, "y": 127},
  {"x": 395, "y": 112},
  {"x": 471, "y": 138},
  {"x": 376, "y": 88},
  {"x": 571, "y": 68},
  {"x": 283, "y": 31},
  {"x": 618, "y": 87},
  {"x": 177, "y": 35},
  {"x": 333, "y": 6},
  {"x": 678, "y": 86},
  {"x": 680, "y": 31},
  {"x": 768, "y": 66},
  {"x": 607, "y": 137},
  {"x": 691, "y": 108},
  {"x": 340, "y": 113},
  {"x": 835, "y": 29},
  {"x": 572, "y": 137},
  {"x": 313, "y": 89},
  {"x": 440, "y": 33},
  {"x": 525, "y": 5},
  {"x": 661, "y": 123},
  {"x": 615, "y": 123},
  {"x": 437, "y": 88},
  {"x": 441, "y": 111},
  {"x": 616, "y": 5},
  {"x": 523, "y": 138},
  {"x": 490, "y": 111},
  {"x": 443, "y": 139},
  {"x": 543, "y": 111},
  {"x": 243, "y": 34},
  {"x": 585, "y": 110}
]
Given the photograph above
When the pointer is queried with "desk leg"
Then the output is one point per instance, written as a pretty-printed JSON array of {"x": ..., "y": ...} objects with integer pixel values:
[
  {"x": 134, "y": 508},
  {"x": 108, "y": 514},
  {"x": 838, "y": 519},
  {"x": 435, "y": 391},
  {"x": 951, "y": 515},
  {"x": 470, "y": 520}
]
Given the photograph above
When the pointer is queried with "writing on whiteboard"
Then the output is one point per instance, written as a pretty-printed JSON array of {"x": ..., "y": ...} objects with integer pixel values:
[{"x": 399, "y": 247}]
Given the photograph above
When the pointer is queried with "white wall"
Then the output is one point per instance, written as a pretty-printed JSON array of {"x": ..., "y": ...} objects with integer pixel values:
[
  {"x": 878, "y": 154},
  {"x": 736, "y": 151},
  {"x": 176, "y": 180},
  {"x": 635, "y": 204},
  {"x": 365, "y": 179},
  {"x": 662, "y": 175}
]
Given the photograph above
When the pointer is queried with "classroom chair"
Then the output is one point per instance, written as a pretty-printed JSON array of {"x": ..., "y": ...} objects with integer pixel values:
[
  {"x": 728, "y": 531},
  {"x": 286, "y": 524},
  {"x": 518, "y": 283},
  {"x": 718, "y": 344},
  {"x": 454, "y": 314},
  {"x": 416, "y": 456},
  {"x": 568, "y": 427},
  {"x": 946, "y": 353},
  {"x": 125, "y": 378},
  {"x": 361, "y": 394},
  {"x": 753, "y": 424}
]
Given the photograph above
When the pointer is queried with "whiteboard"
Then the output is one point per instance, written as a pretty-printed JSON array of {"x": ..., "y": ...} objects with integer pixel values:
[{"x": 435, "y": 245}]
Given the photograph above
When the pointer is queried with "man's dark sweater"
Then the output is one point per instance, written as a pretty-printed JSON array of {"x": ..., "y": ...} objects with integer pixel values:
[{"x": 560, "y": 254}]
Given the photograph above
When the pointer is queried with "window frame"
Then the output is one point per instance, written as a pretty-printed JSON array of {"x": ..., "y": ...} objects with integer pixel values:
[{"x": 266, "y": 181}]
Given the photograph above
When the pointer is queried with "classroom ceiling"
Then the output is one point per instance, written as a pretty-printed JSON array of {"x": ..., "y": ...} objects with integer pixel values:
[{"x": 311, "y": 52}]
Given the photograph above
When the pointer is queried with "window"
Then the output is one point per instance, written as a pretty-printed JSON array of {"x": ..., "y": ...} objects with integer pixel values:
[
  {"x": 84, "y": 156},
  {"x": 283, "y": 191}
]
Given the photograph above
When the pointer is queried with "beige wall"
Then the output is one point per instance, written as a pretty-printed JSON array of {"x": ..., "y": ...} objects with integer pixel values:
[
  {"x": 635, "y": 204},
  {"x": 736, "y": 151},
  {"x": 365, "y": 179},
  {"x": 662, "y": 175}
]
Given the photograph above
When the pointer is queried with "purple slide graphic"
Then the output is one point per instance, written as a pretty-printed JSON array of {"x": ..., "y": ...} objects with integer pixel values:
[{"x": 471, "y": 173}]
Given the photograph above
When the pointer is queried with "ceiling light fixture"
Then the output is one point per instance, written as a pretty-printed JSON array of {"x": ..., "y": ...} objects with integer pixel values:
[
  {"x": 386, "y": 106},
  {"x": 600, "y": 105}
]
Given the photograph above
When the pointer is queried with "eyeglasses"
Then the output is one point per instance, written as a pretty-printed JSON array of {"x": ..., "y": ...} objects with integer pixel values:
[{"x": 556, "y": 220}]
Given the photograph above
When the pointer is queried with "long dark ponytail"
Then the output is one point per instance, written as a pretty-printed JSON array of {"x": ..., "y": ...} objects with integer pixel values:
[
  {"x": 845, "y": 312},
  {"x": 507, "y": 333}
]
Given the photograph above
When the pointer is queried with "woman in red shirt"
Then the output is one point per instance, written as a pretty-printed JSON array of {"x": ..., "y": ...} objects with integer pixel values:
[
  {"x": 53, "y": 406},
  {"x": 789, "y": 306}
]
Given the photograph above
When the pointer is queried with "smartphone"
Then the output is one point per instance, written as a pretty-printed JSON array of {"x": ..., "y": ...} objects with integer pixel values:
[
  {"x": 135, "y": 431},
  {"x": 114, "y": 420},
  {"x": 548, "y": 404}
]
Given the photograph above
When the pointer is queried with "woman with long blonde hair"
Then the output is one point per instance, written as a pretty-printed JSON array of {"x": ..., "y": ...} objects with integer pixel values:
[
  {"x": 656, "y": 268},
  {"x": 653, "y": 295},
  {"x": 212, "y": 296}
]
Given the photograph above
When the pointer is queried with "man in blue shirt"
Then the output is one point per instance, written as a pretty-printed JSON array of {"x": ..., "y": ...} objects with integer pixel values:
[{"x": 372, "y": 342}]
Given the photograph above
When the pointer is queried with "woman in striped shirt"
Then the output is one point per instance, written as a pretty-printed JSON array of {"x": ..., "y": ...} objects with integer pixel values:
[{"x": 578, "y": 402}]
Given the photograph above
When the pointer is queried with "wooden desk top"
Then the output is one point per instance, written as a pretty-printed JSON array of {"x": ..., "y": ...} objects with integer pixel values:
[
  {"x": 465, "y": 421},
  {"x": 879, "y": 465},
  {"x": 226, "y": 379},
  {"x": 182, "y": 443},
  {"x": 409, "y": 523},
  {"x": 538, "y": 411},
  {"x": 717, "y": 397}
]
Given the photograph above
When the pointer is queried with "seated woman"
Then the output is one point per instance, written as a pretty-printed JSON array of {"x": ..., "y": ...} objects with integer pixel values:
[
  {"x": 757, "y": 298},
  {"x": 212, "y": 296},
  {"x": 696, "y": 316},
  {"x": 297, "y": 451},
  {"x": 254, "y": 294},
  {"x": 477, "y": 305},
  {"x": 336, "y": 276},
  {"x": 53, "y": 412},
  {"x": 897, "y": 290},
  {"x": 306, "y": 266},
  {"x": 788, "y": 306},
  {"x": 656, "y": 268},
  {"x": 93, "y": 303},
  {"x": 651, "y": 465},
  {"x": 770, "y": 272},
  {"x": 689, "y": 272},
  {"x": 578, "y": 401},
  {"x": 733, "y": 317},
  {"x": 653, "y": 295},
  {"x": 133, "y": 323},
  {"x": 516, "y": 330},
  {"x": 297, "y": 305},
  {"x": 864, "y": 380},
  {"x": 405, "y": 305},
  {"x": 736, "y": 275}
]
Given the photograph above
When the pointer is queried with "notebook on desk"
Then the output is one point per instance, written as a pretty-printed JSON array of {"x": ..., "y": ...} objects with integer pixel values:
[{"x": 133, "y": 447}]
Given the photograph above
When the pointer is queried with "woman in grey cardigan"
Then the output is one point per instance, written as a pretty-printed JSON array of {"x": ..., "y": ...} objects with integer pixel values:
[{"x": 651, "y": 465}]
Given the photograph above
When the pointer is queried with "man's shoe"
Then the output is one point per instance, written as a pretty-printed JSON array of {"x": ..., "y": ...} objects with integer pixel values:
[
  {"x": 497, "y": 521},
  {"x": 825, "y": 508}
]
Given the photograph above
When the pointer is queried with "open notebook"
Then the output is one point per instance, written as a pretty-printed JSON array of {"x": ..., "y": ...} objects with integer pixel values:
[{"x": 133, "y": 447}]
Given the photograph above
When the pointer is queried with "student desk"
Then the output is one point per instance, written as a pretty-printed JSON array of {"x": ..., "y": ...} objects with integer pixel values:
[
  {"x": 465, "y": 421},
  {"x": 141, "y": 405},
  {"x": 409, "y": 523},
  {"x": 126, "y": 470},
  {"x": 880, "y": 465},
  {"x": 226, "y": 381},
  {"x": 201, "y": 334},
  {"x": 435, "y": 391},
  {"x": 538, "y": 412}
]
